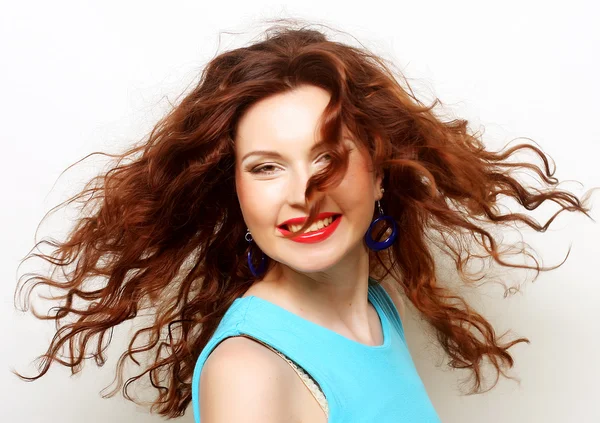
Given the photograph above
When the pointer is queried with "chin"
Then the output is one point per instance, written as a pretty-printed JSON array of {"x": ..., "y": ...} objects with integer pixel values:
[{"x": 312, "y": 263}]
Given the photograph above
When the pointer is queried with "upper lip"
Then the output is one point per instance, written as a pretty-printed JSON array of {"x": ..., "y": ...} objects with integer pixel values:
[{"x": 301, "y": 220}]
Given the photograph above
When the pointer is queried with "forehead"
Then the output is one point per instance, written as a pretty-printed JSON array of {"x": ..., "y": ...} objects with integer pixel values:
[{"x": 282, "y": 121}]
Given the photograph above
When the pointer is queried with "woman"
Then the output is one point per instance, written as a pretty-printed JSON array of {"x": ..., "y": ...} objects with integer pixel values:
[{"x": 256, "y": 314}]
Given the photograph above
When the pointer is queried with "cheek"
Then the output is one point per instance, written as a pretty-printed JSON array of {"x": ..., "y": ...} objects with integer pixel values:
[
  {"x": 245, "y": 198},
  {"x": 258, "y": 203},
  {"x": 247, "y": 201},
  {"x": 356, "y": 189}
]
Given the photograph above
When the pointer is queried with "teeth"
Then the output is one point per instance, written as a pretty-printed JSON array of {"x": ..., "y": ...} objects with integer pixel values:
[{"x": 315, "y": 226}]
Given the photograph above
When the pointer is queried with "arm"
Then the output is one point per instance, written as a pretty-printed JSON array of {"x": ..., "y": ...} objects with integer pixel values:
[{"x": 244, "y": 382}]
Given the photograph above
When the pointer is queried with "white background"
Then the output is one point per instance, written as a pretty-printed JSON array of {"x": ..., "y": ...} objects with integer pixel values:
[{"x": 78, "y": 77}]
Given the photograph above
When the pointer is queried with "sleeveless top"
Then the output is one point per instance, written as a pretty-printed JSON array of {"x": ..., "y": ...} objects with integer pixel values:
[{"x": 353, "y": 382}]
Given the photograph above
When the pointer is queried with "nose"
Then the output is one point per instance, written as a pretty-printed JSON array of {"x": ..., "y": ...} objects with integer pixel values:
[{"x": 297, "y": 188}]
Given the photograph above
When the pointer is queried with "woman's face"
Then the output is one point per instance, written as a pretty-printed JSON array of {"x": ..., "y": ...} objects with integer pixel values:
[{"x": 270, "y": 188}]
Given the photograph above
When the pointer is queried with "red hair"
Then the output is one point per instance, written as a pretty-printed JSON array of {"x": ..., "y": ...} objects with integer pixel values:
[{"x": 162, "y": 232}]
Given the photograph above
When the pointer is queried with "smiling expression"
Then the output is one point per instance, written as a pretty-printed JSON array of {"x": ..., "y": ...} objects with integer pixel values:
[{"x": 270, "y": 185}]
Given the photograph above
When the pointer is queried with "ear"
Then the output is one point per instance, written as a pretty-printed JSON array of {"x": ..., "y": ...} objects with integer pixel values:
[{"x": 377, "y": 187}]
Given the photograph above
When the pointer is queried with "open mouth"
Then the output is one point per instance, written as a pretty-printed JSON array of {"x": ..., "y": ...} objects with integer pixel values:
[{"x": 333, "y": 219}]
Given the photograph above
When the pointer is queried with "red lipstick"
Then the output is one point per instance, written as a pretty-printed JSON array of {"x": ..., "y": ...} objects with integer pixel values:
[{"x": 315, "y": 236}]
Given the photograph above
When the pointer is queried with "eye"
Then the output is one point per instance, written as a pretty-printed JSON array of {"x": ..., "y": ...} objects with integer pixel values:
[
  {"x": 270, "y": 169},
  {"x": 326, "y": 157},
  {"x": 263, "y": 170}
]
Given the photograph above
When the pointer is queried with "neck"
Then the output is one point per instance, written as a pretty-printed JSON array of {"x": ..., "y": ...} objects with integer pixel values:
[{"x": 336, "y": 298}]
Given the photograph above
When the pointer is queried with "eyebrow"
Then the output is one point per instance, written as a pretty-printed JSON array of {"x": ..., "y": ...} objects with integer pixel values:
[{"x": 269, "y": 153}]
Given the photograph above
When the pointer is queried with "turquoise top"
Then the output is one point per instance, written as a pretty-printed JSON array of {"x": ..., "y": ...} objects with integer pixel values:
[{"x": 362, "y": 383}]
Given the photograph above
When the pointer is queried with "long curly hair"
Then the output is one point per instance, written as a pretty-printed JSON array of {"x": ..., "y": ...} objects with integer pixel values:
[{"x": 160, "y": 234}]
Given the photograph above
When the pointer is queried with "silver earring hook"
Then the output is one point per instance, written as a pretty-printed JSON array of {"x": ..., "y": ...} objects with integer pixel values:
[
  {"x": 248, "y": 234},
  {"x": 379, "y": 204}
]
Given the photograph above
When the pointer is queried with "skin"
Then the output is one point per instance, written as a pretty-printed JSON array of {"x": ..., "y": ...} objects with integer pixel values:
[{"x": 325, "y": 282}]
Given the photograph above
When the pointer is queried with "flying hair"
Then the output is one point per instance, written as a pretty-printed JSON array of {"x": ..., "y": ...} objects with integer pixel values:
[{"x": 160, "y": 235}]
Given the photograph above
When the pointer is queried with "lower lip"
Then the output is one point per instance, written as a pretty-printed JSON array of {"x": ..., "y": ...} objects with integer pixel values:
[{"x": 316, "y": 236}]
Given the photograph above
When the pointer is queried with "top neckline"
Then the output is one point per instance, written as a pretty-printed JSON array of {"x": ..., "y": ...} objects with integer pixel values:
[{"x": 383, "y": 319}]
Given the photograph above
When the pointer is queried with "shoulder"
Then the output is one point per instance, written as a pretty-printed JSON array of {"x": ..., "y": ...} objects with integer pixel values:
[
  {"x": 243, "y": 380},
  {"x": 392, "y": 291}
]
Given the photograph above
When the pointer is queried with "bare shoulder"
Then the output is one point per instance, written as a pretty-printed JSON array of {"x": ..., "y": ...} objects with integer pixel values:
[
  {"x": 396, "y": 298},
  {"x": 243, "y": 381}
]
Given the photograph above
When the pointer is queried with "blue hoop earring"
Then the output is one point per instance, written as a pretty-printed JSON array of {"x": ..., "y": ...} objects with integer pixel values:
[
  {"x": 381, "y": 245},
  {"x": 263, "y": 260}
]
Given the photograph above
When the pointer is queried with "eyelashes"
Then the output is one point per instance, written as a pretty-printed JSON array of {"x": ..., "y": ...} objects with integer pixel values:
[{"x": 262, "y": 169}]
